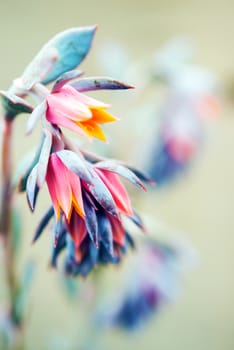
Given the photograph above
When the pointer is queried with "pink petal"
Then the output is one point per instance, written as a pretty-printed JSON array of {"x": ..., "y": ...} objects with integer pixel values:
[
  {"x": 117, "y": 191},
  {"x": 118, "y": 230},
  {"x": 77, "y": 229},
  {"x": 61, "y": 120},
  {"x": 62, "y": 184},
  {"x": 76, "y": 193},
  {"x": 52, "y": 189},
  {"x": 66, "y": 105},
  {"x": 87, "y": 100}
]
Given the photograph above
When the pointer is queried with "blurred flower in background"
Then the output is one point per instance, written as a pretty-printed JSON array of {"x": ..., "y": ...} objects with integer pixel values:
[
  {"x": 191, "y": 99},
  {"x": 151, "y": 281}
]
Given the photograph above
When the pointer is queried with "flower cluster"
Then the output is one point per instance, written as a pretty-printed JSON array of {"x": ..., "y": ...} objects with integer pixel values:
[
  {"x": 89, "y": 201},
  {"x": 88, "y": 198}
]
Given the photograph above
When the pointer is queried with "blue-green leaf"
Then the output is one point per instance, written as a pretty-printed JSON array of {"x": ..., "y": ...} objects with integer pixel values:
[
  {"x": 14, "y": 105},
  {"x": 73, "y": 45},
  {"x": 64, "y": 52}
]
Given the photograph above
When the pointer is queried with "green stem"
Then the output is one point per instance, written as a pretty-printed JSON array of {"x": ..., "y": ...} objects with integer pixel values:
[{"x": 6, "y": 229}]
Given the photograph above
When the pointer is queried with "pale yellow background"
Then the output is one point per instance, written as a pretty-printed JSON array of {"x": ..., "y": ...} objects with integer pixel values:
[{"x": 202, "y": 205}]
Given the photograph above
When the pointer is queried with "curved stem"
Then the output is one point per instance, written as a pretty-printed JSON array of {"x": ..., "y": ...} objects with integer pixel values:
[
  {"x": 6, "y": 227},
  {"x": 5, "y": 221},
  {"x": 6, "y": 176}
]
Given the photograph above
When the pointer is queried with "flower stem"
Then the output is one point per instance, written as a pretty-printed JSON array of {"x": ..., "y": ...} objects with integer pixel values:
[{"x": 6, "y": 230}]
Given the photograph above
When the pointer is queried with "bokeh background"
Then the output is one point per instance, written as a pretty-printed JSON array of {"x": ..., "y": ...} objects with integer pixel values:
[{"x": 200, "y": 205}]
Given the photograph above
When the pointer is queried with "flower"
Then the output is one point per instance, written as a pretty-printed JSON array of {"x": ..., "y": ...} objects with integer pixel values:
[
  {"x": 75, "y": 111},
  {"x": 88, "y": 201},
  {"x": 137, "y": 308},
  {"x": 66, "y": 187},
  {"x": 190, "y": 101},
  {"x": 150, "y": 283}
]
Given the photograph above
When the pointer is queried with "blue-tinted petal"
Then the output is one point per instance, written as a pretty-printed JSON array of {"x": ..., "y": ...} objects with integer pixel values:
[
  {"x": 75, "y": 163},
  {"x": 99, "y": 83},
  {"x": 43, "y": 223},
  {"x": 44, "y": 158},
  {"x": 121, "y": 170},
  {"x": 91, "y": 221},
  {"x": 65, "y": 78},
  {"x": 105, "y": 233}
]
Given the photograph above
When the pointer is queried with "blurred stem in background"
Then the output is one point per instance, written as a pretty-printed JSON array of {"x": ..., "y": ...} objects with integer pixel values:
[{"x": 16, "y": 343}]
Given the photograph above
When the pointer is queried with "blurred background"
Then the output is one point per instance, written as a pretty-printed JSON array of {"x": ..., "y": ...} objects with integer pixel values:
[{"x": 200, "y": 204}]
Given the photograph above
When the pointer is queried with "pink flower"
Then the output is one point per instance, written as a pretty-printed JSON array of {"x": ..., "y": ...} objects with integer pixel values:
[
  {"x": 77, "y": 112},
  {"x": 88, "y": 201},
  {"x": 86, "y": 205}
]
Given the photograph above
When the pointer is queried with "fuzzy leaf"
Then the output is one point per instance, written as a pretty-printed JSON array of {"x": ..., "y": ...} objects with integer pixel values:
[
  {"x": 72, "y": 46},
  {"x": 99, "y": 83},
  {"x": 14, "y": 105},
  {"x": 36, "y": 115},
  {"x": 44, "y": 158},
  {"x": 40, "y": 66},
  {"x": 32, "y": 188}
]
